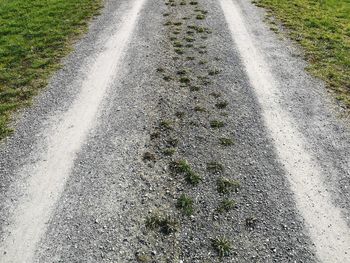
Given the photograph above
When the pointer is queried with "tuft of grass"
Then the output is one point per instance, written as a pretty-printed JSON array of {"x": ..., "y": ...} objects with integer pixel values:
[
  {"x": 322, "y": 29},
  {"x": 193, "y": 3},
  {"x": 226, "y": 205},
  {"x": 179, "y": 51},
  {"x": 177, "y": 44},
  {"x": 164, "y": 224},
  {"x": 214, "y": 72},
  {"x": 182, "y": 167},
  {"x": 166, "y": 124},
  {"x": 250, "y": 222},
  {"x": 169, "y": 151},
  {"x": 199, "y": 109},
  {"x": 185, "y": 80},
  {"x": 161, "y": 70},
  {"x": 200, "y": 16},
  {"x": 147, "y": 156},
  {"x": 221, "y": 104},
  {"x": 222, "y": 246},
  {"x": 215, "y": 167},
  {"x": 216, "y": 124},
  {"x": 226, "y": 185},
  {"x": 226, "y": 141},
  {"x": 34, "y": 37},
  {"x": 142, "y": 257},
  {"x": 185, "y": 204}
]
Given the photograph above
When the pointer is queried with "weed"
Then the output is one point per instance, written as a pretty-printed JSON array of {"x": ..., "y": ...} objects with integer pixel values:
[
  {"x": 216, "y": 124},
  {"x": 194, "y": 88},
  {"x": 193, "y": 178},
  {"x": 193, "y": 3},
  {"x": 179, "y": 23},
  {"x": 189, "y": 39},
  {"x": 167, "y": 23},
  {"x": 142, "y": 257},
  {"x": 189, "y": 45},
  {"x": 177, "y": 44},
  {"x": 173, "y": 38},
  {"x": 165, "y": 224},
  {"x": 199, "y": 109},
  {"x": 215, "y": 94},
  {"x": 185, "y": 204},
  {"x": 183, "y": 3},
  {"x": 226, "y": 141},
  {"x": 190, "y": 58},
  {"x": 154, "y": 135},
  {"x": 166, "y": 124},
  {"x": 173, "y": 142},
  {"x": 160, "y": 70},
  {"x": 225, "y": 185},
  {"x": 202, "y": 62},
  {"x": 214, "y": 71},
  {"x": 226, "y": 205},
  {"x": 222, "y": 246},
  {"x": 200, "y": 16},
  {"x": 179, "y": 51},
  {"x": 215, "y": 167},
  {"x": 147, "y": 156},
  {"x": 169, "y": 151},
  {"x": 221, "y": 104},
  {"x": 185, "y": 80},
  {"x": 166, "y": 14},
  {"x": 167, "y": 78},
  {"x": 182, "y": 72},
  {"x": 180, "y": 114}
]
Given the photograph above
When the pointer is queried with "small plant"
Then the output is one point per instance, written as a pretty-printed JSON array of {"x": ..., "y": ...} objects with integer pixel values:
[
  {"x": 165, "y": 224},
  {"x": 161, "y": 70},
  {"x": 185, "y": 204},
  {"x": 200, "y": 16},
  {"x": 193, "y": 3},
  {"x": 142, "y": 257},
  {"x": 226, "y": 141},
  {"x": 190, "y": 58},
  {"x": 183, "y": 3},
  {"x": 215, "y": 94},
  {"x": 167, "y": 78},
  {"x": 185, "y": 80},
  {"x": 182, "y": 72},
  {"x": 154, "y": 135},
  {"x": 189, "y": 39},
  {"x": 202, "y": 62},
  {"x": 173, "y": 142},
  {"x": 222, "y": 246},
  {"x": 225, "y": 185},
  {"x": 221, "y": 104},
  {"x": 166, "y": 14},
  {"x": 177, "y": 44},
  {"x": 166, "y": 124},
  {"x": 179, "y": 23},
  {"x": 180, "y": 114},
  {"x": 214, "y": 71},
  {"x": 199, "y": 109},
  {"x": 183, "y": 167},
  {"x": 169, "y": 151},
  {"x": 179, "y": 51},
  {"x": 216, "y": 124},
  {"x": 215, "y": 167},
  {"x": 193, "y": 178},
  {"x": 226, "y": 205},
  {"x": 167, "y": 23},
  {"x": 147, "y": 156},
  {"x": 194, "y": 88}
]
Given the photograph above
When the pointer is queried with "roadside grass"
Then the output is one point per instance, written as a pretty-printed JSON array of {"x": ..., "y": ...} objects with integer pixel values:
[
  {"x": 34, "y": 36},
  {"x": 322, "y": 27}
]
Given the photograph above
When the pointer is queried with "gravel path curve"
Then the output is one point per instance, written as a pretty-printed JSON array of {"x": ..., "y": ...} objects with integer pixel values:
[{"x": 178, "y": 131}]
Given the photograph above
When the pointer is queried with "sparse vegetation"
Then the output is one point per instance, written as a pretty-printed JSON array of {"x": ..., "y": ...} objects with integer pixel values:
[
  {"x": 225, "y": 185},
  {"x": 222, "y": 246},
  {"x": 226, "y": 205},
  {"x": 226, "y": 141},
  {"x": 164, "y": 224},
  {"x": 215, "y": 167},
  {"x": 216, "y": 124},
  {"x": 221, "y": 104},
  {"x": 185, "y": 204}
]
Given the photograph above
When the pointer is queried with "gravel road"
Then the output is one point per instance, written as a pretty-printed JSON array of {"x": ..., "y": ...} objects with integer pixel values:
[{"x": 178, "y": 131}]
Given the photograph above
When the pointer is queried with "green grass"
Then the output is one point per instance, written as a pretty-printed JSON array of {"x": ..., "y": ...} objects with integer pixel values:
[
  {"x": 222, "y": 246},
  {"x": 185, "y": 204},
  {"x": 322, "y": 27},
  {"x": 34, "y": 36}
]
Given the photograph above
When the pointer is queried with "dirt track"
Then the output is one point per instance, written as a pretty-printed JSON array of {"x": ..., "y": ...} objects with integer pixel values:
[{"x": 153, "y": 86}]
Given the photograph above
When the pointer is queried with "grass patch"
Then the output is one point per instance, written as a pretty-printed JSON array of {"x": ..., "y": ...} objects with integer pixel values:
[
  {"x": 323, "y": 29},
  {"x": 222, "y": 246},
  {"x": 182, "y": 167},
  {"x": 35, "y": 35},
  {"x": 166, "y": 124},
  {"x": 221, "y": 104},
  {"x": 215, "y": 167},
  {"x": 226, "y": 141},
  {"x": 164, "y": 224},
  {"x": 226, "y": 205},
  {"x": 226, "y": 185},
  {"x": 185, "y": 204},
  {"x": 169, "y": 151},
  {"x": 216, "y": 124}
]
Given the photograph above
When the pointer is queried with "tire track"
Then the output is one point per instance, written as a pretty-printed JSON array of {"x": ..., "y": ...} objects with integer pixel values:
[
  {"x": 49, "y": 174},
  {"x": 325, "y": 222}
]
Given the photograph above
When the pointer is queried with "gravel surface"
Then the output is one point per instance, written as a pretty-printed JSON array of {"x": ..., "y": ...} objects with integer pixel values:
[{"x": 156, "y": 138}]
